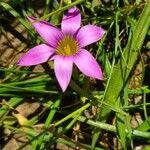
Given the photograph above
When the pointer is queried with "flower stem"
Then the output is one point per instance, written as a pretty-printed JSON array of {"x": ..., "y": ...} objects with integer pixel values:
[{"x": 59, "y": 10}]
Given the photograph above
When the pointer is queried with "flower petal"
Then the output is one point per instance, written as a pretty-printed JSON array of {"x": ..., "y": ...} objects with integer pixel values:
[
  {"x": 89, "y": 34},
  {"x": 71, "y": 21},
  {"x": 63, "y": 70},
  {"x": 37, "y": 55},
  {"x": 88, "y": 65},
  {"x": 48, "y": 32}
]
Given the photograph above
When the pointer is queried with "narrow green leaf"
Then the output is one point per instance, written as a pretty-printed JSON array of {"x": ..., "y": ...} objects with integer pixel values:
[{"x": 123, "y": 68}]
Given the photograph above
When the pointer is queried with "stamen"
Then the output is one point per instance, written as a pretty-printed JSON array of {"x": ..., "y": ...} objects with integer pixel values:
[{"x": 67, "y": 46}]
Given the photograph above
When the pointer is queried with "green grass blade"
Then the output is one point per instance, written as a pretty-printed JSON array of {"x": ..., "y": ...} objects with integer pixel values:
[{"x": 121, "y": 71}]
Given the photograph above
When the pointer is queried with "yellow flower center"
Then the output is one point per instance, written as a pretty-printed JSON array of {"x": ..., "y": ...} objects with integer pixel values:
[{"x": 67, "y": 46}]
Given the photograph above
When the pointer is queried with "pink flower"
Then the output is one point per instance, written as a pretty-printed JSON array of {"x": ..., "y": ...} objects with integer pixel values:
[{"x": 65, "y": 47}]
